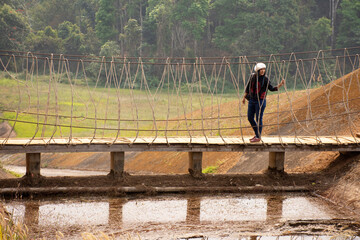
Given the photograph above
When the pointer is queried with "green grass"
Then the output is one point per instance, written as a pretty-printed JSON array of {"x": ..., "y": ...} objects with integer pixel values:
[
  {"x": 92, "y": 107},
  {"x": 15, "y": 174},
  {"x": 210, "y": 169}
]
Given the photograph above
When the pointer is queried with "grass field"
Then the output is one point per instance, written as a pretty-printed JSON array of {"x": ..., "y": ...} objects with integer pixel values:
[{"x": 46, "y": 107}]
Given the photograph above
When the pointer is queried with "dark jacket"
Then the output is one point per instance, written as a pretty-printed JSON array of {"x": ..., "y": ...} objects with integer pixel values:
[{"x": 257, "y": 87}]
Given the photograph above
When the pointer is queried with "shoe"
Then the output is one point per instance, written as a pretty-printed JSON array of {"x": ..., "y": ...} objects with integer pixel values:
[
  {"x": 255, "y": 139},
  {"x": 252, "y": 138}
]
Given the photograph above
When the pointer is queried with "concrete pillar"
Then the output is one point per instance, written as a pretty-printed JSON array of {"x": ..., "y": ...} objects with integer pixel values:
[
  {"x": 117, "y": 163},
  {"x": 195, "y": 163},
  {"x": 276, "y": 161},
  {"x": 33, "y": 164}
]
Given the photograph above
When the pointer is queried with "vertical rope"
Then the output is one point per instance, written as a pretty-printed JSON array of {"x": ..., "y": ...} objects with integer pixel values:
[
  {"x": 48, "y": 97},
  {"x": 35, "y": 63},
  {"x": 201, "y": 98},
  {"x": 119, "y": 108},
  {"x": 55, "y": 82},
  {"x": 183, "y": 71},
  {"x": 221, "y": 95},
  {"x": 149, "y": 97}
]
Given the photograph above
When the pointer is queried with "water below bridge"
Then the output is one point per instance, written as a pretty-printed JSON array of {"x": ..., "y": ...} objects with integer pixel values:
[{"x": 225, "y": 216}]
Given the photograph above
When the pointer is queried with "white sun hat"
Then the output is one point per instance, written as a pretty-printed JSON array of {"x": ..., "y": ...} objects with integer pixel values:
[{"x": 259, "y": 66}]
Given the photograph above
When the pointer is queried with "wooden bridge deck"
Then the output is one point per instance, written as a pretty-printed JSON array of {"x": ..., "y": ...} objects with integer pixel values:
[
  {"x": 276, "y": 146},
  {"x": 185, "y": 144}
]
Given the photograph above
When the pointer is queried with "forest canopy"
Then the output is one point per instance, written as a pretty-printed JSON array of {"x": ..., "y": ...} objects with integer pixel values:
[{"x": 182, "y": 28}]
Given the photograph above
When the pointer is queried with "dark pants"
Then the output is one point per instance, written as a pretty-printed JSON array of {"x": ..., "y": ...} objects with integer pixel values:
[{"x": 255, "y": 115}]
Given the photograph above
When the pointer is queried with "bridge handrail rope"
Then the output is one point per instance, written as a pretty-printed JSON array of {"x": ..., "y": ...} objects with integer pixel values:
[{"x": 188, "y": 99}]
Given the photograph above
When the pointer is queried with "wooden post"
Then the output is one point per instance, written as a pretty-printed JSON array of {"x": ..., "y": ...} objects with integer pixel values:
[
  {"x": 195, "y": 163},
  {"x": 33, "y": 164},
  {"x": 276, "y": 161},
  {"x": 117, "y": 163}
]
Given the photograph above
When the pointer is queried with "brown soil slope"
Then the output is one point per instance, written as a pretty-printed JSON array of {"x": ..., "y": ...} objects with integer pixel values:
[{"x": 346, "y": 189}]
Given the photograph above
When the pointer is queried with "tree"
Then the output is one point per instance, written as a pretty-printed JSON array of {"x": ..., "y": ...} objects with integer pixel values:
[
  {"x": 258, "y": 27},
  {"x": 349, "y": 28},
  {"x": 160, "y": 11},
  {"x": 149, "y": 35},
  {"x": 52, "y": 13},
  {"x": 72, "y": 37},
  {"x": 91, "y": 43},
  {"x": 85, "y": 14},
  {"x": 230, "y": 19},
  {"x": 322, "y": 32},
  {"x": 45, "y": 41},
  {"x": 105, "y": 21},
  {"x": 333, "y": 6},
  {"x": 132, "y": 37},
  {"x": 110, "y": 49},
  {"x": 189, "y": 17},
  {"x": 13, "y": 28}
]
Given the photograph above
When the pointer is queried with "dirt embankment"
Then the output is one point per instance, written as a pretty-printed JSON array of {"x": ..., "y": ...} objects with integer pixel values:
[{"x": 345, "y": 191}]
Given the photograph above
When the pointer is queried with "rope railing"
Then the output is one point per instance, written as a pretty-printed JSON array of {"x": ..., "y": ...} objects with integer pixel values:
[
  {"x": 185, "y": 58},
  {"x": 69, "y": 96}
]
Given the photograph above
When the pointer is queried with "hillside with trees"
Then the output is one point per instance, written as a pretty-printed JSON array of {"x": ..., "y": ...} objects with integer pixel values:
[{"x": 182, "y": 28}]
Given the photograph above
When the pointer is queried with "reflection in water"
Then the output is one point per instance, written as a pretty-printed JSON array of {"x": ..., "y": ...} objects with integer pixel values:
[
  {"x": 292, "y": 206},
  {"x": 193, "y": 210},
  {"x": 154, "y": 211},
  {"x": 274, "y": 208},
  {"x": 170, "y": 214},
  {"x": 74, "y": 214},
  {"x": 32, "y": 213},
  {"x": 233, "y": 209}
]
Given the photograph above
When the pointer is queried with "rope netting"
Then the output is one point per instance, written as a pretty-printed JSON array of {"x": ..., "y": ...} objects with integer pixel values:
[{"x": 67, "y": 96}]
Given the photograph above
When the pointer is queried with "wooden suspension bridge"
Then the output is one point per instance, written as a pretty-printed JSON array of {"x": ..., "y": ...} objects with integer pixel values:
[{"x": 126, "y": 105}]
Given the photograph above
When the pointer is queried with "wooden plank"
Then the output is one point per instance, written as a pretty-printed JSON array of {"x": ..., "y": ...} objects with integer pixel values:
[
  {"x": 238, "y": 140},
  {"x": 270, "y": 143},
  {"x": 140, "y": 140}
]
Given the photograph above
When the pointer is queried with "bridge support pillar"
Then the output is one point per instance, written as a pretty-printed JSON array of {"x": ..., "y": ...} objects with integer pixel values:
[
  {"x": 276, "y": 161},
  {"x": 117, "y": 163},
  {"x": 33, "y": 164},
  {"x": 195, "y": 163}
]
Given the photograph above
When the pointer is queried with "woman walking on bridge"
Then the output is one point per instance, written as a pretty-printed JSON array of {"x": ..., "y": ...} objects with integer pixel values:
[{"x": 255, "y": 93}]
